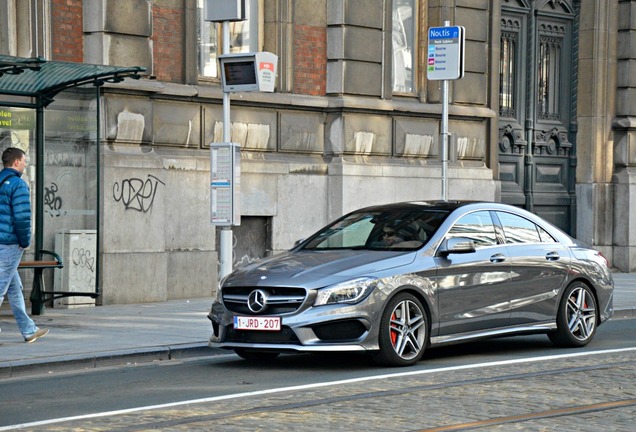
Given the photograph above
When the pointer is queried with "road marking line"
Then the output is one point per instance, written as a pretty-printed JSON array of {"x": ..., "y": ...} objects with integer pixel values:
[{"x": 314, "y": 386}]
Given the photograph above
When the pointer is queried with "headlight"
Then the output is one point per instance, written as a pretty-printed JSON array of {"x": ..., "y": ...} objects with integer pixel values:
[{"x": 347, "y": 292}]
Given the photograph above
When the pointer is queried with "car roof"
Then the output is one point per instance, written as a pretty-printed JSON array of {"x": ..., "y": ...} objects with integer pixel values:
[
  {"x": 428, "y": 205},
  {"x": 450, "y": 206}
]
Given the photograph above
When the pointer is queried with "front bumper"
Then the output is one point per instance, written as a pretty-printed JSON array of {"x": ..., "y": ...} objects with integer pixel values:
[{"x": 325, "y": 328}]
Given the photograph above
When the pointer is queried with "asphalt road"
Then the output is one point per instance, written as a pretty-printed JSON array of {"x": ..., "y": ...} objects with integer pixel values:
[{"x": 503, "y": 380}]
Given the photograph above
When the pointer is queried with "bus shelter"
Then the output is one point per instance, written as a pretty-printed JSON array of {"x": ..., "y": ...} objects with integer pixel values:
[{"x": 51, "y": 110}]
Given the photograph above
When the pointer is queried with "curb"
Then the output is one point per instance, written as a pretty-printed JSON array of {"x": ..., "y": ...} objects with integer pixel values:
[
  {"x": 626, "y": 313},
  {"x": 103, "y": 359}
]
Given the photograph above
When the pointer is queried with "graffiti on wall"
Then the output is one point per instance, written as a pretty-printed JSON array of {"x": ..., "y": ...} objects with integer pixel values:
[
  {"x": 83, "y": 262},
  {"x": 137, "y": 194},
  {"x": 52, "y": 200}
]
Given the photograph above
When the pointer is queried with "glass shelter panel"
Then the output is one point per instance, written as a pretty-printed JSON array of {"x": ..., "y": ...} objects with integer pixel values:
[
  {"x": 18, "y": 129},
  {"x": 71, "y": 189}
]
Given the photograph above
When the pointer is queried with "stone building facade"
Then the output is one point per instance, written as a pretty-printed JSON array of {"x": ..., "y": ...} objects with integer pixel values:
[{"x": 353, "y": 122}]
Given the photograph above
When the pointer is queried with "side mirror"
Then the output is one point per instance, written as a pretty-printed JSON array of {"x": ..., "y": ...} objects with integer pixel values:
[{"x": 456, "y": 245}]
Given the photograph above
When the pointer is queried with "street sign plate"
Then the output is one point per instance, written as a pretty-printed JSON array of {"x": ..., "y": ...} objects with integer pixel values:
[{"x": 445, "y": 53}]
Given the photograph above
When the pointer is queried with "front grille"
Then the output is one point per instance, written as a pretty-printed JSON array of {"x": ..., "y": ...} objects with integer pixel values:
[
  {"x": 285, "y": 335},
  {"x": 280, "y": 300}
]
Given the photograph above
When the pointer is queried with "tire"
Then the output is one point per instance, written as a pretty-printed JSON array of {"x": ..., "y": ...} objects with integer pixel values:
[
  {"x": 576, "y": 317},
  {"x": 255, "y": 355},
  {"x": 403, "y": 333}
]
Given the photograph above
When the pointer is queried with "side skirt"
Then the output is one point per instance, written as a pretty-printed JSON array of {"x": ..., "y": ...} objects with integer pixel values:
[{"x": 543, "y": 327}]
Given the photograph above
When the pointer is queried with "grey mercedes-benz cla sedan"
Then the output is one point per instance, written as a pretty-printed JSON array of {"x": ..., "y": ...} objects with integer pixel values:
[{"x": 394, "y": 279}]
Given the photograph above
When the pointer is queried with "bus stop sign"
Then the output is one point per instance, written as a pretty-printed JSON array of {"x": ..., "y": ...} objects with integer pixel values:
[{"x": 445, "y": 53}]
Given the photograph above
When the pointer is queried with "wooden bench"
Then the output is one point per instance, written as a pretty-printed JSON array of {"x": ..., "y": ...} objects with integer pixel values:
[{"x": 38, "y": 297}]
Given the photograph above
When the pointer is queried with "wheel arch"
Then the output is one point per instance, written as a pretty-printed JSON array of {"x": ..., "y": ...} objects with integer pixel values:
[
  {"x": 592, "y": 288},
  {"x": 424, "y": 300}
]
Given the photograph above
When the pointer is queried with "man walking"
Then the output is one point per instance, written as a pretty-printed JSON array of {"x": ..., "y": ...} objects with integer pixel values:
[{"x": 15, "y": 236}]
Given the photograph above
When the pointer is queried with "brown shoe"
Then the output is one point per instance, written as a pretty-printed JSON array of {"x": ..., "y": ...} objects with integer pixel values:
[{"x": 35, "y": 336}]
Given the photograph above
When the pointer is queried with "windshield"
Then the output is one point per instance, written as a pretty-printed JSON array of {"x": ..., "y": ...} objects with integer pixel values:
[{"x": 399, "y": 229}]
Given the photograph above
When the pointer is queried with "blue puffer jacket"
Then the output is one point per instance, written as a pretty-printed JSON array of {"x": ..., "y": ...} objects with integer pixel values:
[{"x": 15, "y": 209}]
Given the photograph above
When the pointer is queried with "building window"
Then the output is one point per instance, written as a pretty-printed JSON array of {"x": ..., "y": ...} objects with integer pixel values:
[
  {"x": 508, "y": 74},
  {"x": 244, "y": 37},
  {"x": 548, "y": 80},
  {"x": 24, "y": 28},
  {"x": 404, "y": 30}
]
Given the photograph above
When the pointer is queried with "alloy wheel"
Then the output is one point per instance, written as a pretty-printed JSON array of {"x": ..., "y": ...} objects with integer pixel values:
[
  {"x": 581, "y": 313},
  {"x": 407, "y": 329}
]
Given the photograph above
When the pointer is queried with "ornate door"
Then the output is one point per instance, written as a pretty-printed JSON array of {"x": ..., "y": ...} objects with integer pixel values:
[{"x": 537, "y": 109}]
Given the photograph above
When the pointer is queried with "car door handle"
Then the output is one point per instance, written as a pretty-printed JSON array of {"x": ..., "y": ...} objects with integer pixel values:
[
  {"x": 552, "y": 256},
  {"x": 497, "y": 258}
]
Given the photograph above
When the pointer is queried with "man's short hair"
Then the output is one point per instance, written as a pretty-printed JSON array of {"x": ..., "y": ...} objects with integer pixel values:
[{"x": 10, "y": 155}]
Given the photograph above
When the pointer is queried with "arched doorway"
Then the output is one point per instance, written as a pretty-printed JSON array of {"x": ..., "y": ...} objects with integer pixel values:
[{"x": 537, "y": 129}]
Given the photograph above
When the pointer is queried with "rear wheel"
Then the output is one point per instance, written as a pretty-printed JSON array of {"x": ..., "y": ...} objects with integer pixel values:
[
  {"x": 576, "y": 317},
  {"x": 255, "y": 355},
  {"x": 403, "y": 332}
]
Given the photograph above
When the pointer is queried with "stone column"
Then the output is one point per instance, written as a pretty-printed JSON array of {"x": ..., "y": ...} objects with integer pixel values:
[
  {"x": 356, "y": 47},
  {"x": 117, "y": 33},
  {"x": 625, "y": 140},
  {"x": 595, "y": 105}
]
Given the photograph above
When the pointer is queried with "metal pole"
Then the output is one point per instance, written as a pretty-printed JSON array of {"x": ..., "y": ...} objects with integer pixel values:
[
  {"x": 445, "y": 135},
  {"x": 39, "y": 180},
  {"x": 37, "y": 296},
  {"x": 98, "y": 175},
  {"x": 225, "y": 248},
  {"x": 444, "y": 140}
]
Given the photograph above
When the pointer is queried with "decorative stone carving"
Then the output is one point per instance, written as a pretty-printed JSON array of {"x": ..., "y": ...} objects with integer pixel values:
[
  {"x": 552, "y": 143},
  {"x": 511, "y": 139}
]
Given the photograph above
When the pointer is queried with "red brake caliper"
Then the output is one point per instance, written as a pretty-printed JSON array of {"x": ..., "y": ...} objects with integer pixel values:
[{"x": 393, "y": 332}]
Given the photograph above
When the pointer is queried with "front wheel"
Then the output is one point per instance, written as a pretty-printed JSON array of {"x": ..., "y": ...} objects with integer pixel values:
[
  {"x": 576, "y": 317},
  {"x": 403, "y": 332}
]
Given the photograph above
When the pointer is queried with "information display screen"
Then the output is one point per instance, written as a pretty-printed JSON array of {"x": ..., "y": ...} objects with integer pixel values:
[{"x": 239, "y": 73}]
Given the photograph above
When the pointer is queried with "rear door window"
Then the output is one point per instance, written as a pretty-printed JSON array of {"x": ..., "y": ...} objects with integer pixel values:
[{"x": 518, "y": 229}]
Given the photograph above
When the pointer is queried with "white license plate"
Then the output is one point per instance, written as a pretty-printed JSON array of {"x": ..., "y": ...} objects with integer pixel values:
[{"x": 257, "y": 323}]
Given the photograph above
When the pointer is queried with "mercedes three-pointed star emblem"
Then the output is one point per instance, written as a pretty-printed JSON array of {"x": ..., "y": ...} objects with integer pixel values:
[{"x": 257, "y": 301}]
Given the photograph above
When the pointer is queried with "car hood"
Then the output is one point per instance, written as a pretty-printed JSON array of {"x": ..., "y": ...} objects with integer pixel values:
[{"x": 315, "y": 269}]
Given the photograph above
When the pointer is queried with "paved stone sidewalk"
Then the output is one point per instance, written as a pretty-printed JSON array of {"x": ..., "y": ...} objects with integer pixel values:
[{"x": 90, "y": 337}]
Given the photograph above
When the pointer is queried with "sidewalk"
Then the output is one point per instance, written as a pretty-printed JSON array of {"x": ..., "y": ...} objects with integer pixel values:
[
  {"x": 126, "y": 334},
  {"x": 107, "y": 335}
]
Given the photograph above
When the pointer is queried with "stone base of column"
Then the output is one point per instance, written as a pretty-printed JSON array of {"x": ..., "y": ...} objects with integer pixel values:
[
  {"x": 594, "y": 211},
  {"x": 624, "y": 239}
]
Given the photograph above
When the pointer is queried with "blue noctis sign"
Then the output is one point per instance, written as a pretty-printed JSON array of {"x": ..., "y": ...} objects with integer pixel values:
[{"x": 445, "y": 53}]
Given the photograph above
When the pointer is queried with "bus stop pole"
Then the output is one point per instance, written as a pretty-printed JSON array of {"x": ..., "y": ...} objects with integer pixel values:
[
  {"x": 445, "y": 135},
  {"x": 225, "y": 247},
  {"x": 445, "y": 140}
]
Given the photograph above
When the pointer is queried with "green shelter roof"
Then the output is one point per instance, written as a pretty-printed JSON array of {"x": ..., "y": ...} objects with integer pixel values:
[{"x": 43, "y": 79}]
